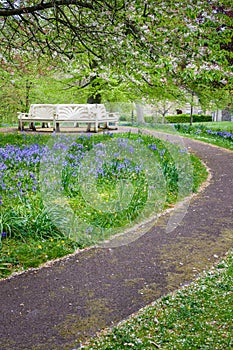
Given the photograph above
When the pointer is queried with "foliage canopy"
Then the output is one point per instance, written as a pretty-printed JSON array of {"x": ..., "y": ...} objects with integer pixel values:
[{"x": 149, "y": 46}]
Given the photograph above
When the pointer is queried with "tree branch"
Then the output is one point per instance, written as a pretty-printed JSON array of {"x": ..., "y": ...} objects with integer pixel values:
[{"x": 8, "y": 12}]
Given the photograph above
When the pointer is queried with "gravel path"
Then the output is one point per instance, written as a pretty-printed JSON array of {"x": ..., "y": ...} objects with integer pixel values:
[{"x": 59, "y": 306}]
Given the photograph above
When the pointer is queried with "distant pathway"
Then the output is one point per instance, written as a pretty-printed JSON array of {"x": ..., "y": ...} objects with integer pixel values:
[{"x": 50, "y": 308}]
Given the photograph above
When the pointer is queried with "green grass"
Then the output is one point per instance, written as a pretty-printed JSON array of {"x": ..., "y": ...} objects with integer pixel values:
[
  {"x": 199, "y": 316},
  {"x": 216, "y": 142},
  {"x": 219, "y": 136},
  {"x": 194, "y": 132},
  {"x": 20, "y": 138},
  {"x": 17, "y": 255},
  {"x": 227, "y": 126},
  {"x": 26, "y": 220}
]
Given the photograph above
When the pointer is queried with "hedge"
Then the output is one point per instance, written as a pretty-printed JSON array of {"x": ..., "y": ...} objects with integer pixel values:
[{"x": 185, "y": 118}]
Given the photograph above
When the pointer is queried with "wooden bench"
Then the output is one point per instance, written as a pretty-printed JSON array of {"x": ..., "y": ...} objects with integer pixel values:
[
  {"x": 43, "y": 113},
  {"x": 89, "y": 114}
]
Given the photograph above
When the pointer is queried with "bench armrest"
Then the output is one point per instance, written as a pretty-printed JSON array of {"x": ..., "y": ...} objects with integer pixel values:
[
  {"x": 114, "y": 114},
  {"x": 22, "y": 114}
]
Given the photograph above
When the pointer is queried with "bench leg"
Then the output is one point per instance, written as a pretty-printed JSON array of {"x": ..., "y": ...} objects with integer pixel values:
[
  {"x": 115, "y": 126},
  {"x": 45, "y": 125},
  {"x": 57, "y": 127},
  {"x": 88, "y": 127},
  {"x": 96, "y": 127},
  {"x": 20, "y": 125},
  {"x": 32, "y": 126}
]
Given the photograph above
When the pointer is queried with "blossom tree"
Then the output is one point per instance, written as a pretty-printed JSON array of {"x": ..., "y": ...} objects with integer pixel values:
[{"x": 149, "y": 44}]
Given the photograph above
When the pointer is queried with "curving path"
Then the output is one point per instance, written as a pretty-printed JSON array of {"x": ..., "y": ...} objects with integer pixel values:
[{"x": 51, "y": 307}]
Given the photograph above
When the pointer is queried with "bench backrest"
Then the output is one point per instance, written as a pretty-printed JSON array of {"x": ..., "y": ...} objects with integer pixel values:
[
  {"x": 74, "y": 111},
  {"x": 100, "y": 111},
  {"x": 42, "y": 111},
  {"x": 102, "y": 114},
  {"x": 66, "y": 112}
]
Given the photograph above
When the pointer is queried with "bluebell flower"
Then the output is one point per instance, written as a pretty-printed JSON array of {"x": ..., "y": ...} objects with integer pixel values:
[
  {"x": 89, "y": 230},
  {"x": 122, "y": 142},
  {"x": 99, "y": 145},
  {"x": 184, "y": 150},
  {"x": 161, "y": 153},
  {"x": 131, "y": 149},
  {"x": 138, "y": 168},
  {"x": 153, "y": 147}
]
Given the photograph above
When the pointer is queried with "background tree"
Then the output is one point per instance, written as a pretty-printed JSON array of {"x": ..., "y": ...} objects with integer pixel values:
[{"x": 142, "y": 42}]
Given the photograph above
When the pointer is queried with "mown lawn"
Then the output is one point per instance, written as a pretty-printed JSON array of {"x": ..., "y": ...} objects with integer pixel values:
[
  {"x": 219, "y": 134},
  {"x": 216, "y": 133},
  {"x": 226, "y": 126}
]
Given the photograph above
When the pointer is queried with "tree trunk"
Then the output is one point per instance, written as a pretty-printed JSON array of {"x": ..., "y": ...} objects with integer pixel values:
[
  {"x": 139, "y": 111},
  {"x": 191, "y": 110},
  {"x": 94, "y": 99},
  {"x": 226, "y": 115},
  {"x": 28, "y": 87}
]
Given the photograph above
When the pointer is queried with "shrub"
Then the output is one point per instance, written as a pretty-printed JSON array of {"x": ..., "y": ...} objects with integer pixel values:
[
  {"x": 185, "y": 118},
  {"x": 122, "y": 118},
  {"x": 149, "y": 119}
]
